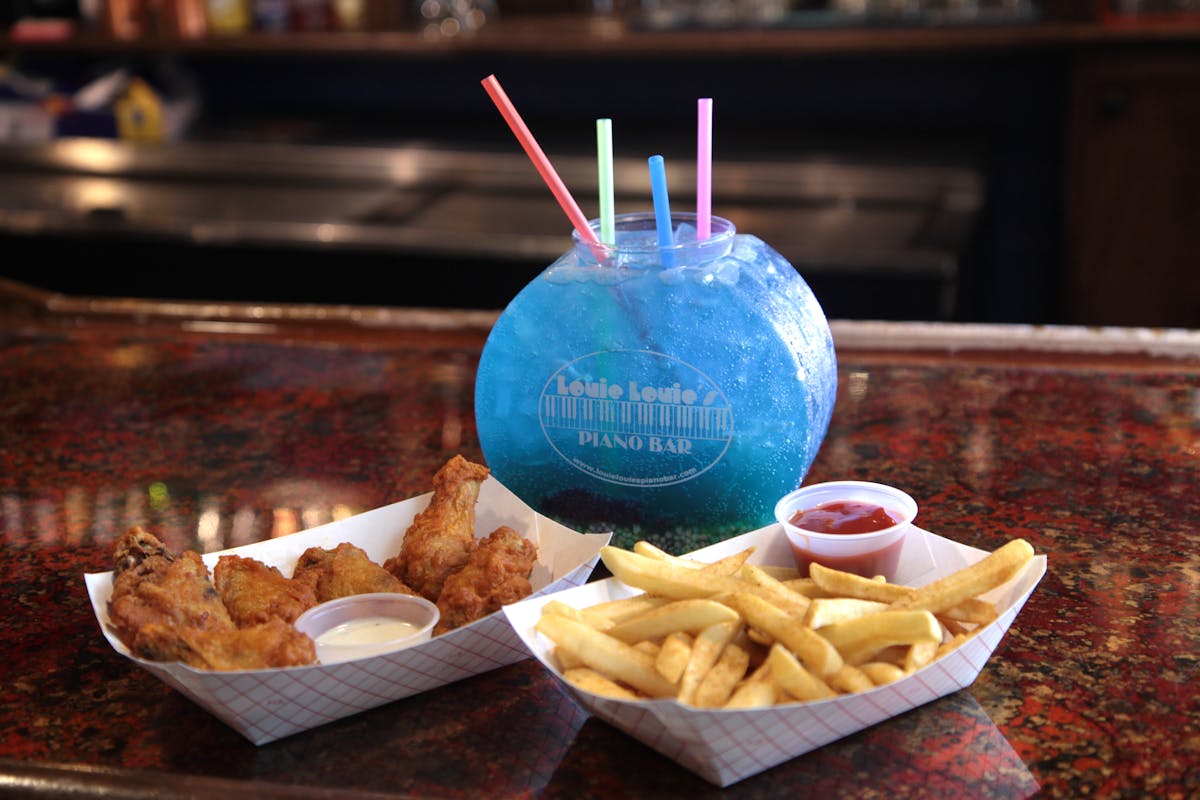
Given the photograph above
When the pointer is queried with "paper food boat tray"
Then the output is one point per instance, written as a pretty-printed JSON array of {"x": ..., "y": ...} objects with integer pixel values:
[
  {"x": 265, "y": 705},
  {"x": 726, "y": 746}
]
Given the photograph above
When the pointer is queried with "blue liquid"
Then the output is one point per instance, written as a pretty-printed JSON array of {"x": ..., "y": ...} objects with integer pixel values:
[{"x": 673, "y": 405}]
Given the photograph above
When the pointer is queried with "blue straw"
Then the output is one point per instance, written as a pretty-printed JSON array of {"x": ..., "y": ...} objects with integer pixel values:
[{"x": 662, "y": 209}]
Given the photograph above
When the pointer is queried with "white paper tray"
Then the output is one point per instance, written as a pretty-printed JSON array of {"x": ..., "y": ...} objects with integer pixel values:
[
  {"x": 265, "y": 705},
  {"x": 726, "y": 746}
]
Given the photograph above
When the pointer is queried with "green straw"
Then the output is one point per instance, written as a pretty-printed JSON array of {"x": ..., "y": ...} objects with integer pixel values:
[{"x": 604, "y": 158}]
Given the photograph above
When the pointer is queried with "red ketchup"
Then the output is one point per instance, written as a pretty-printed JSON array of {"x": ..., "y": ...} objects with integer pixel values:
[
  {"x": 849, "y": 517},
  {"x": 845, "y": 516}
]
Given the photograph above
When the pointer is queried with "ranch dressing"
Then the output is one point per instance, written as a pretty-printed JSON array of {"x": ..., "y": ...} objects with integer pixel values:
[{"x": 365, "y": 631}]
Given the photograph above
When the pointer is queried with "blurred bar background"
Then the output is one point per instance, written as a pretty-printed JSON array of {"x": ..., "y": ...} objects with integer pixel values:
[{"x": 966, "y": 160}]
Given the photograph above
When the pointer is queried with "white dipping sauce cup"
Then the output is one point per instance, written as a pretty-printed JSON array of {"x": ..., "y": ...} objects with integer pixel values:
[
  {"x": 866, "y": 554},
  {"x": 365, "y": 609}
]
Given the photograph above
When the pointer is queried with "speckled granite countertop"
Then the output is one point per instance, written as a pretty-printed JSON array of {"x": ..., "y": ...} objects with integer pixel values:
[{"x": 221, "y": 425}]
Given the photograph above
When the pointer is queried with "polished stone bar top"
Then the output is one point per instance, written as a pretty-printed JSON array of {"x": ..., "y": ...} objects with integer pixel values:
[{"x": 216, "y": 425}]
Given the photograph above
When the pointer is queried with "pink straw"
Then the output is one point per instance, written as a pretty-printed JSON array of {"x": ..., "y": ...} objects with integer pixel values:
[
  {"x": 704, "y": 169},
  {"x": 534, "y": 151}
]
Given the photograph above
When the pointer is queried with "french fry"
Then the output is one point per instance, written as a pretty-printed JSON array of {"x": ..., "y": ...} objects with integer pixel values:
[
  {"x": 757, "y": 691},
  {"x": 749, "y": 639},
  {"x": 780, "y": 573},
  {"x": 859, "y": 639},
  {"x": 654, "y": 551},
  {"x": 566, "y": 659},
  {"x": 814, "y": 651},
  {"x": 846, "y": 584},
  {"x": 559, "y": 607},
  {"x": 664, "y": 578},
  {"x": 589, "y": 680},
  {"x": 881, "y": 672},
  {"x": 729, "y": 565},
  {"x": 850, "y": 679},
  {"x": 793, "y": 678},
  {"x": 919, "y": 655},
  {"x": 706, "y": 649},
  {"x": 609, "y": 656},
  {"x": 894, "y": 654},
  {"x": 691, "y": 615},
  {"x": 806, "y": 586},
  {"x": 673, "y": 656},
  {"x": 726, "y": 566},
  {"x": 667, "y": 579},
  {"x": 951, "y": 644},
  {"x": 610, "y": 612},
  {"x": 991, "y": 571},
  {"x": 649, "y": 648},
  {"x": 773, "y": 590},
  {"x": 760, "y": 638},
  {"x": 824, "y": 611},
  {"x": 757, "y": 650},
  {"x": 761, "y": 672},
  {"x": 972, "y": 611},
  {"x": 718, "y": 683},
  {"x": 954, "y": 627}
]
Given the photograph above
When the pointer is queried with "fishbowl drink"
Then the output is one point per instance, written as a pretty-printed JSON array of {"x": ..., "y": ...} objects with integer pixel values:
[{"x": 671, "y": 394}]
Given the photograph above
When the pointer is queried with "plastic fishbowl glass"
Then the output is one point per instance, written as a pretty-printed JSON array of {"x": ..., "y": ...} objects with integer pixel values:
[{"x": 671, "y": 394}]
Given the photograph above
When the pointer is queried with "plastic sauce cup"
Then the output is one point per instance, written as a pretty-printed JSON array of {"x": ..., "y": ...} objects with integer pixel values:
[
  {"x": 367, "y": 624},
  {"x": 871, "y": 553}
]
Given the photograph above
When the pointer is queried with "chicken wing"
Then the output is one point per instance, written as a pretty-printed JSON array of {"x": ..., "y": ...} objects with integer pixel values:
[
  {"x": 442, "y": 536},
  {"x": 254, "y": 592},
  {"x": 152, "y": 586},
  {"x": 343, "y": 571},
  {"x": 266, "y": 645},
  {"x": 496, "y": 573},
  {"x": 164, "y": 607}
]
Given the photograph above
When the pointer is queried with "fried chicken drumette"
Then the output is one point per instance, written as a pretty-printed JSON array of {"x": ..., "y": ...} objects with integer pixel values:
[
  {"x": 254, "y": 592},
  {"x": 496, "y": 573},
  {"x": 164, "y": 607},
  {"x": 343, "y": 571},
  {"x": 267, "y": 645},
  {"x": 442, "y": 536},
  {"x": 152, "y": 586}
]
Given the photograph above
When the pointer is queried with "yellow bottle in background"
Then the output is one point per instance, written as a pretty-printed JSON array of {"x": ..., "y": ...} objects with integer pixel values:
[
  {"x": 228, "y": 16},
  {"x": 349, "y": 15},
  {"x": 139, "y": 113}
]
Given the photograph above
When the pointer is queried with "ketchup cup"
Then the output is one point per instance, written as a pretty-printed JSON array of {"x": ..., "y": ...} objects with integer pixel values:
[{"x": 843, "y": 508}]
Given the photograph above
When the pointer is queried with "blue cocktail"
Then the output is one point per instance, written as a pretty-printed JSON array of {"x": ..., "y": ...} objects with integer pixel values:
[{"x": 668, "y": 394}]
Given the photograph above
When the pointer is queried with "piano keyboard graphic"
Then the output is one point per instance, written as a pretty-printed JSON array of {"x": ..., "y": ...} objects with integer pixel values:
[{"x": 624, "y": 417}]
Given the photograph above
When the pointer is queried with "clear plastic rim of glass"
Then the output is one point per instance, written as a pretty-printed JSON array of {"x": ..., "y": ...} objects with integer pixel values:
[{"x": 686, "y": 253}]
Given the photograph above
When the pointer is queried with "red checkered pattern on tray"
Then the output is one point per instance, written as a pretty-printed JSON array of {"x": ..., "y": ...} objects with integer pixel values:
[
  {"x": 726, "y": 746},
  {"x": 267, "y": 705}
]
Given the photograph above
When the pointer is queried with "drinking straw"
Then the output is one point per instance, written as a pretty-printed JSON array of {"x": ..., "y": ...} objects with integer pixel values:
[
  {"x": 543, "y": 165},
  {"x": 703, "y": 168},
  {"x": 662, "y": 209},
  {"x": 604, "y": 158}
]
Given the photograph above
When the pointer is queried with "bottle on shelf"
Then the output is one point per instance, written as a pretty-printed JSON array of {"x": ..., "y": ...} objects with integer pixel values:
[{"x": 228, "y": 16}]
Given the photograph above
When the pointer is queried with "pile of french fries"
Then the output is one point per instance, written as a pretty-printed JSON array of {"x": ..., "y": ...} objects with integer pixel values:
[{"x": 731, "y": 634}]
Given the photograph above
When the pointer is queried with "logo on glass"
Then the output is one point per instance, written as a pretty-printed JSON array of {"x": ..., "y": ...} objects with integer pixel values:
[{"x": 635, "y": 418}]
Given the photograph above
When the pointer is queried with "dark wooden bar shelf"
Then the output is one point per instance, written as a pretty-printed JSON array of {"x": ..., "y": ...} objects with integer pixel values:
[{"x": 568, "y": 35}]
